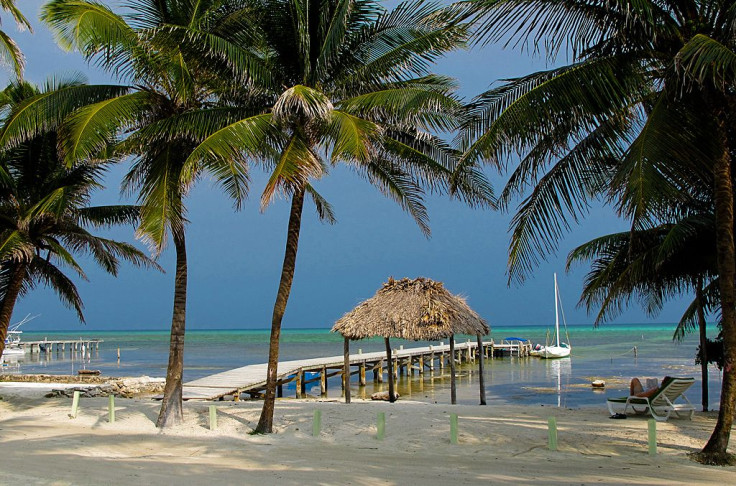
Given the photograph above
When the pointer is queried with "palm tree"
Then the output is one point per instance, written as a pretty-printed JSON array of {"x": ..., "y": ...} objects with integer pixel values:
[
  {"x": 653, "y": 266},
  {"x": 645, "y": 107},
  {"x": 348, "y": 82},
  {"x": 44, "y": 209},
  {"x": 9, "y": 51},
  {"x": 156, "y": 124}
]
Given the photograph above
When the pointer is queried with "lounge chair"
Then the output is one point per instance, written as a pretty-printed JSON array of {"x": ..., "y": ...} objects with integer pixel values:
[{"x": 662, "y": 403}]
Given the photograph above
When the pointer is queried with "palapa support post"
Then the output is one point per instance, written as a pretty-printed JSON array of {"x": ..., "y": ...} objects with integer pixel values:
[
  {"x": 391, "y": 396},
  {"x": 552, "y": 433},
  {"x": 111, "y": 409},
  {"x": 75, "y": 405},
  {"x": 652, "y": 426},
  {"x": 453, "y": 389},
  {"x": 405, "y": 305},
  {"x": 213, "y": 417},
  {"x": 481, "y": 378},
  {"x": 346, "y": 369}
]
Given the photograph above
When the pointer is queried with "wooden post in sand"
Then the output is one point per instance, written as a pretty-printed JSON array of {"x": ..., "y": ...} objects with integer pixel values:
[
  {"x": 316, "y": 423},
  {"x": 652, "y": 426},
  {"x": 453, "y": 428},
  {"x": 323, "y": 381},
  {"x": 111, "y": 410},
  {"x": 213, "y": 417},
  {"x": 381, "y": 426},
  {"x": 75, "y": 405},
  {"x": 552, "y": 434}
]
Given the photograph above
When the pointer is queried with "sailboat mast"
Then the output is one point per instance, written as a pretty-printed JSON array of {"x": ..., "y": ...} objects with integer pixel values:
[{"x": 557, "y": 315}]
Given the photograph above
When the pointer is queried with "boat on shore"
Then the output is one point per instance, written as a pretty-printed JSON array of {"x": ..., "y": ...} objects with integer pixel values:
[{"x": 559, "y": 349}]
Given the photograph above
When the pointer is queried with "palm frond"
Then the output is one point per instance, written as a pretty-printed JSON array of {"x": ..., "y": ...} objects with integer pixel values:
[{"x": 296, "y": 165}]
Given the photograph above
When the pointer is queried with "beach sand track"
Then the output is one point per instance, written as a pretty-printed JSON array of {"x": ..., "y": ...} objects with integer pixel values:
[{"x": 498, "y": 444}]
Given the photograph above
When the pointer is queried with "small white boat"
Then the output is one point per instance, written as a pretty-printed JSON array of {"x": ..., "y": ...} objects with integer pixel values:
[
  {"x": 558, "y": 350},
  {"x": 12, "y": 341}
]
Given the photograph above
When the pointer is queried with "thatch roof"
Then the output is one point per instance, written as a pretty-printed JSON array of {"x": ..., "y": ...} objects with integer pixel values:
[{"x": 417, "y": 310}]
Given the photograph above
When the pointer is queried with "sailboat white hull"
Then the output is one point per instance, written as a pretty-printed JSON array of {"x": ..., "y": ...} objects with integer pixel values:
[{"x": 551, "y": 352}]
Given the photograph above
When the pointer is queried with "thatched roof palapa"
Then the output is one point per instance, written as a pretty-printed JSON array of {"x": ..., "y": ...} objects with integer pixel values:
[{"x": 416, "y": 310}]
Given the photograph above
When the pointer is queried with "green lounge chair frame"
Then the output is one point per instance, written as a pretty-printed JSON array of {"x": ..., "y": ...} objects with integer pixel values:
[{"x": 662, "y": 404}]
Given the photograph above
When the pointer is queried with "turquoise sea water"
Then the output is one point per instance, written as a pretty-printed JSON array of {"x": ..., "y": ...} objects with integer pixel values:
[{"x": 604, "y": 353}]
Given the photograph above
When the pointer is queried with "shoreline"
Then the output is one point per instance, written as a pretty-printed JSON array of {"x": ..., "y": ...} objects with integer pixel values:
[{"x": 505, "y": 444}]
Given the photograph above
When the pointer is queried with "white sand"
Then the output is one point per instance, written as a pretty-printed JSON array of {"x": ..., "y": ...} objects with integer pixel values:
[{"x": 42, "y": 445}]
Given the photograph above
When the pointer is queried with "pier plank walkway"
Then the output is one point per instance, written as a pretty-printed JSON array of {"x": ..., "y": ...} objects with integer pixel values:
[{"x": 252, "y": 379}]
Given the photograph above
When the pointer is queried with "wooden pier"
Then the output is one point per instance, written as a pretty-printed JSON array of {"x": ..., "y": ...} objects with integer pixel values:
[
  {"x": 251, "y": 379},
  {"x": 59, "y": 345}
]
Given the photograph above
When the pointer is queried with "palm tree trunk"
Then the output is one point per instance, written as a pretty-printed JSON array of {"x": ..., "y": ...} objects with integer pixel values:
[
  {"x": 265, "y": 424},
  {"x": 703, "y": 343},
  {"x": 715, "y": 450},
  {"x": 171, "y": 407},
  {"x": 8, "y": 303}
]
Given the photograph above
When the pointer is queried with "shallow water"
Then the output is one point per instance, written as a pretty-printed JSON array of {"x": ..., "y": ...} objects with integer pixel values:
[{"x": 605, "y": 353}]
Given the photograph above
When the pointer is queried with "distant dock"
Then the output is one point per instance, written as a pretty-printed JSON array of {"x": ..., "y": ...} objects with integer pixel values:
[
  {"x": 59, "y": 345},
  {"x": 251, "y": 379}
]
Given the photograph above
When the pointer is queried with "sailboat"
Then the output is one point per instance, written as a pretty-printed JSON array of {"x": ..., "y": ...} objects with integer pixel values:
[{"x": 558, "y": 350}]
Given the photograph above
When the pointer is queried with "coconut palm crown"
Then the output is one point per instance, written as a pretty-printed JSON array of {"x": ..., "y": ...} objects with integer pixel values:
[
  {"x": 10, "y": 54},
  {"x": 155, "y": 121},
  {"x": 44, "y": 215},
  {"x": 347, "y": 82},
  {"x": 639, "y": 118}
]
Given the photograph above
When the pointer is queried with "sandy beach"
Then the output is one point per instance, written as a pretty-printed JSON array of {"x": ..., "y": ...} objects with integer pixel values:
[{"x": 41, "y": 444}]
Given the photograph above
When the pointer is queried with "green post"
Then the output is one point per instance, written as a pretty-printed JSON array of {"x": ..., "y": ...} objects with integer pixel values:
[
  {"x": 552, "y": 434},
  {"x": 317, "y": 423},
  {"x": 381, "y": 429},
  {"x": 453, "y": 428},
  {"x": 111, "y": 410},
  {"x": 75, "y": 405},
  {"x": 652, "y": 437},
  {"x": 213, "y": 417}
]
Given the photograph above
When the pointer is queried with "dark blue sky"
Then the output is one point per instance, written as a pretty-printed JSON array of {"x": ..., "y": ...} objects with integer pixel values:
[{"x": 235, "y": 258}]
